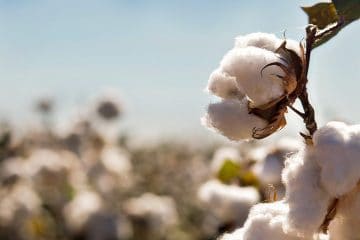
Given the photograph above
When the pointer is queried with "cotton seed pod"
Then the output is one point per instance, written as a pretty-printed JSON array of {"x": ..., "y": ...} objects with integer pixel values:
[{"x": 232, "y": 119}]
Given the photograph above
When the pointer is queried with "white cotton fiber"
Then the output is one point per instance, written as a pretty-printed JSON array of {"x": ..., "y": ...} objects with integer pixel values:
[
  {"x": 346, "y": 223},
  {"x": 229, "y": 203},
  {"x": 231, "y": 118},
  {"x": 246, "y": 64},
  {"x": 338, "y": 154},
  {"x": 223, "y": 85},
  {"x": 269, "y": 170},
  {"x": 265, "y": 221},
  {"x": 261, "y": 40},
  {"x": 307, "y": 200}
]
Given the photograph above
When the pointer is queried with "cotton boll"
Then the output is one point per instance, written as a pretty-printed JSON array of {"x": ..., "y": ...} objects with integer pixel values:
[
  {"x": 265, "y": 221},
  {"x": 116, "y": 161},
  {"x": 224, "y": 154},
  {"x": 21, "y": 196},
  {"x": 80, "y": 209},
  {"x": 307, "y": 200},
  {"x": 158, "y": 212},
  {"x": 338, "y": 152},
  {"x": 236, "y": 235},
  {"x": 223, "y": 85},
  {"x": 346, "y": 223},
  {"x": 269, "y": 171},
  {"x": 246, "y": 65},
  {"x": 261, "y": 40},
  {"x": 229, "y": 203},
  {"x": 232, "y": 119}
]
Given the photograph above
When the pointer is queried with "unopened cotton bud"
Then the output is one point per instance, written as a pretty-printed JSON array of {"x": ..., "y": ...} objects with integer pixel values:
[
  {"x": 260, "y": 85},
  {"x": 232, "y": 119},
  {"x": 223, "y": 85}
]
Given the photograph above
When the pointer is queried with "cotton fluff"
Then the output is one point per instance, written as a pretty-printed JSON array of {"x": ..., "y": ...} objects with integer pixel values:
[
  {"x": 229, "y": 203},
  {"x": 269, "y": 168},
  {"x": 265, "y": 221},
  {"x": 116, "y": 161},
  {"x": 346, "y": 223},
  {"x": 261, "y": 40},
  {"x": 266, "y": 41},
  {"x": 307, "y": 199},
  {"x": 158, "y": 212},
  {"x": 338, "y": 154},
  {"x": 246, "y": 64},
  {"x": 222, "y": 155},
  {"x": 232, "y": 119},
  {"x": 81, "y": 208},
  {"x": 223, "y": 85}
]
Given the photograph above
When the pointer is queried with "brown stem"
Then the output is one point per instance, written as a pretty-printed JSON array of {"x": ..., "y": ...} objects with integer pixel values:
[{"x": 309, "y": 118}]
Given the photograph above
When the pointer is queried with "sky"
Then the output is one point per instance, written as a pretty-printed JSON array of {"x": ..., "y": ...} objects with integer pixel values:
[{"x": 159, "y": 54}]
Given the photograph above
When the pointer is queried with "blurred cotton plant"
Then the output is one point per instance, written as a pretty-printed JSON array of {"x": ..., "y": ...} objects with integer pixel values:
[{"x": 257, "y": 82}]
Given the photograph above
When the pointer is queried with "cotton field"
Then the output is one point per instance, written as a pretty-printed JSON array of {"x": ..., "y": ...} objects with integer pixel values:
[
  {"x": 77, "y": 181},
  {"x": 179, "y": 120}
]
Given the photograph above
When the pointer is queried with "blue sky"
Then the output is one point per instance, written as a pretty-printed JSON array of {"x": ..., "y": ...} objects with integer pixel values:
[{"x": 158, "y": 53}]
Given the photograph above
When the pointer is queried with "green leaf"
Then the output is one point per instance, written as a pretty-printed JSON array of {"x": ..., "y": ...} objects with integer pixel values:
[
  {"x": 321, "y": 14},
  {"x": 228, "y": 171},
  {"x": 325, "y": 14},
  {"x": 248, "y": 178},
  {"x": 349, "y": 9}
]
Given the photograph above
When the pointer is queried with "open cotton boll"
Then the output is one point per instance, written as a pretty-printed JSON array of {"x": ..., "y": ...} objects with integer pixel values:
[
  {"x": 308, "y": 201},
  {"x": 269, "y": 170},
  {"x": 116, "y": 160},
  {"x": 338, "y": 152},
  {"x": 261, "y": 40},
  {"x": 223, "y": 85},
  {"x": 158, "y": 212},
  {"x": 265, "y": 221},
  {"x": 246, "y": 64},
  {"x": 229, "y": 203},
  {"x": 222, "y": 155},
  {"x": 80, "y": 209},
  {"x": 231, "y": 118},
  {"x": 346, "y": 223}
]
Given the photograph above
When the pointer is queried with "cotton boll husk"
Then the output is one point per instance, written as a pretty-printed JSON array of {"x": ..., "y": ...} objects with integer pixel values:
[
  {"x": 307, "y": 200},
  {"x": 223, "y": 85},
  {"x": 224, "y": 154},
  {"x": 246, "y": 64},
  {"x": 261, "y": 40},
  {"x": 80, "y": 209},
  {"x": 232, "y": 119},
  {"x": 229, "y": 203},
  {"x": 338, "y": 152},
  {"x": 346, "y": 223}
]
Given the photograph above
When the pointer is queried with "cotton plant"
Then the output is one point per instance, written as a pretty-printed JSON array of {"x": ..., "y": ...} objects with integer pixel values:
[{"x": 257, "y": 83}]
